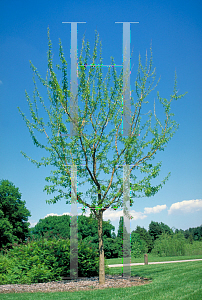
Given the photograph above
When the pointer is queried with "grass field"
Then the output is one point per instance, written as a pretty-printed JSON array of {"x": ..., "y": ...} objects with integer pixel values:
[
  {"x": 169, "y": 281},
  {"x": 151, "y": 258}
]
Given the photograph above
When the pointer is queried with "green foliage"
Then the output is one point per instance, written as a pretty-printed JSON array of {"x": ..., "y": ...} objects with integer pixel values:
[
  {"x": 138, "y": 242},
  {"x": 89, "y": 260},
  {"x": 54, "y": 226},
  {"x": 194, "y": 248},
  {"x": 104, "y": 108},
  {"x": 117, "y": 248},
  {"x": 141, "y": 242},
  {"x": 110, "y": 247},
  {"x": 121, "y": 235},
  {"x": 113, "y": 248},
  {"x": 100, "y": 109},
  {"x": 156, "y": 229},
  {"x": 88, "y": 226},
  {"x": 13, "y": 215},
  {"x": 190, "y": 239},
  {"x": 31, "y": 263},
  {"x": 194, "y": 233},
  {"x": 138, "y": 246},
  {"x": 59, "y": 227},
  {"x": 144, "y": 236},
  {"x": 46, "y": 260},
  {"x": 122, "y": 229},
  {"x": 169, "y": 245}
]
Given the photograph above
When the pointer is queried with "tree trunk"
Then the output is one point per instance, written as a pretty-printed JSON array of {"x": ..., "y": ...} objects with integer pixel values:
[{"x": 101, "y": 250}]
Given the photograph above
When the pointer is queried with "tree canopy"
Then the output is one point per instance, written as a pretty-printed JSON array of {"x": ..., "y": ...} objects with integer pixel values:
[
  {"x": 13, "y": 215},
  {"x": 59, "y": 226},
  {"x": 156, "y": 229},
  {"x": 144, "y": 236}
]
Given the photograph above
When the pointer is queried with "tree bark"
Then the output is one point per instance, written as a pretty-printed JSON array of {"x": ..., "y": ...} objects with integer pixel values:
[{"x": 101, "y": 250}]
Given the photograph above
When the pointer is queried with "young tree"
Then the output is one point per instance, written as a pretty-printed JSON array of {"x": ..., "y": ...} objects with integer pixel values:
[
  {"x": 138, "y": 149},
  {"x": 13, "y": 215}
]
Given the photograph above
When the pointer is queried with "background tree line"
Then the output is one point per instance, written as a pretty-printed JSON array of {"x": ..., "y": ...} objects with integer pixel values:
[
  {"x": 142, "y": 241},
  {"x": 14, "y": 228}
]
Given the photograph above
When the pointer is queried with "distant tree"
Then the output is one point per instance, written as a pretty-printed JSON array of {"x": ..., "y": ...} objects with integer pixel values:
[
  {"x": 52, "y": 226},
  {"x": 138, "y": 245},
  {"x": 196, "y": 233},
  {"x": 200, "y": 233},
  {"x": 13, "y": 215},
  {"x": 122, "y": 232},
  {"x": 191, "y": 239},
  {"x": 186, "y": 233},
  {"x": 156, "y": 229},
  {"x": 145, "y": 236},
  {"x": 113, "y": 235},
  {"x": 116, "y": 247},
  {"x": 169, "y": 245},
  {"x": 166, "y": 228},
  {"x": 87, "y": 227},
  {"x": 180, "y": 230},
  {"x": 59, "y": 227},
  {"x": 107, "y": 228},
  {"x": 121, "y": 228}
]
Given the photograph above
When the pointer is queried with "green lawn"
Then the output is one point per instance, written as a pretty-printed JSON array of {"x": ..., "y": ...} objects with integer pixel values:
[
  {"x": 169, "y": 281},
  {"x": 151, "y": 258}
]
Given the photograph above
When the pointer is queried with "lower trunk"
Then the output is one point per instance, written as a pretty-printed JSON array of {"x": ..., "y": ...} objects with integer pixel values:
[{"x": 101, "y": 250}]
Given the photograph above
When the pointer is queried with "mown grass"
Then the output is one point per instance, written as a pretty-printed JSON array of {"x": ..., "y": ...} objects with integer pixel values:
[
  {"x": 151, "y": 258},
  {"x": 169, "y": 281}
]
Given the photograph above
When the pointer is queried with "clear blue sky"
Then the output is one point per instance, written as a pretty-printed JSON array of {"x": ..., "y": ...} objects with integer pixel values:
[{"x": 175, "y": 29}]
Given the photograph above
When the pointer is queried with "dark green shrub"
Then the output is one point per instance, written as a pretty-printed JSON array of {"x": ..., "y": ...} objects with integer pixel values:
[
  {"x": 110, "y": 248},
  {"x": 46, "y": 260},
  {"x": 114, "y": 248},
  {"x": 31, "y": 263},
  {"x": 88, "y": 260}
]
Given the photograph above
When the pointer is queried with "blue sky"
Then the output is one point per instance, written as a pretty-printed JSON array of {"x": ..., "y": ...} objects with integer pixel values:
[{"x": 174, "y": 27}]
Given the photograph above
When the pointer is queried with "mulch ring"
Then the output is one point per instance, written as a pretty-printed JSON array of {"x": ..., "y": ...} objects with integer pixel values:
[{"x": 80, "y": 284}]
